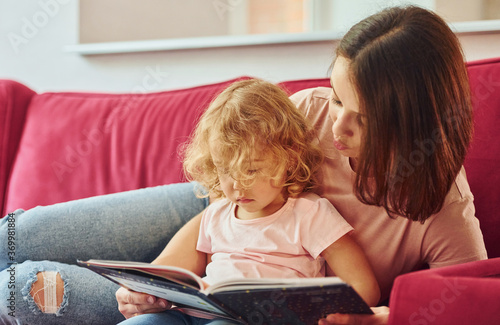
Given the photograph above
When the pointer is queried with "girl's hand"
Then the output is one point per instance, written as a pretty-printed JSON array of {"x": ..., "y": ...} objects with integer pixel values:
[
  {"x": 132, "y": 303},
  {"x": 381, "y": 317}
]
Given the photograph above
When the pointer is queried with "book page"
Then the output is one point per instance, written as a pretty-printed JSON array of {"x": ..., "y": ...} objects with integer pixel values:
[
  {"x": 269, "y": 283},
  {"x": 172, "y": 273}
]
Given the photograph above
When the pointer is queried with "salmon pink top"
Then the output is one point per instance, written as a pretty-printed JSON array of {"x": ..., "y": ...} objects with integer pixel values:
[
  {"x": 393, "y": 245},
  {"x": 285, "y": 244}
]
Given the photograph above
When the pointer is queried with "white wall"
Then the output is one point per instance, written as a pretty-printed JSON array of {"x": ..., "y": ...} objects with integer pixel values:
[
  {"x": 129, "y": 20},
  {"x": 33, "y": 34}
]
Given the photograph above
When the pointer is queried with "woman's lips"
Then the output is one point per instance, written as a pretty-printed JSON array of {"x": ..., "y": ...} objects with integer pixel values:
[{"x": 339, "y": 145}]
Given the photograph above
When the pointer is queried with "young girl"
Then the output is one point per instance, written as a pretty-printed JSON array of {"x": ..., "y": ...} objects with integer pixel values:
[{"x": 255, "y": 151}]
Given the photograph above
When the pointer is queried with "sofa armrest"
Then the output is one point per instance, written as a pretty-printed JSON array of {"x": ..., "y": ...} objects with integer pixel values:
[
  {"x": 14, "y": 102},
  {"x": 467, "y": 293}
]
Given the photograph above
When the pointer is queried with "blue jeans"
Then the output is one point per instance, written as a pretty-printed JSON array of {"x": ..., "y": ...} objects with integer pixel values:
[
  {"x": 173, "y": 317},
  {"x": 134, "y": 225}
]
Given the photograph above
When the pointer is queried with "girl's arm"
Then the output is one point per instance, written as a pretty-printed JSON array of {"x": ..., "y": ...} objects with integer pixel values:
[
  {"x": 348, "y": 261},
  {"x": 181, "y": 249}
]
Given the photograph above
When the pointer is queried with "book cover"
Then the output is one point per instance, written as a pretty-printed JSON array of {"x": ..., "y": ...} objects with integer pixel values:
[{"x": 301, "y": 301}]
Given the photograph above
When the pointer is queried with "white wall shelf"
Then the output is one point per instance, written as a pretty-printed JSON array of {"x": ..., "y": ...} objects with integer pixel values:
[
  {"x": 199, "y": 42},
  {"x": 471, "y": 27}
]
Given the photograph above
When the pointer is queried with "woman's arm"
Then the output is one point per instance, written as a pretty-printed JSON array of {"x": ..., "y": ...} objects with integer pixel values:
[
  {"x": 348, "y": 261},
  {"x": 180, "y": 251}
]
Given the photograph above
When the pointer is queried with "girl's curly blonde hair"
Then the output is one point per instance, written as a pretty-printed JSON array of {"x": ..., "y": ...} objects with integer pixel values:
[{"x": 245, "y": 115}]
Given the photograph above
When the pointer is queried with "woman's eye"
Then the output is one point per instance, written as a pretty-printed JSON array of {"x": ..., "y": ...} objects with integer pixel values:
[
  {"x": 336, "y": 102},
  {"x": 252, "y": 171}
]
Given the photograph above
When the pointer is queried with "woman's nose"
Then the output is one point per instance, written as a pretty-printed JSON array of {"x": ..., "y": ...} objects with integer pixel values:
[{"x": 343, "y": 125}]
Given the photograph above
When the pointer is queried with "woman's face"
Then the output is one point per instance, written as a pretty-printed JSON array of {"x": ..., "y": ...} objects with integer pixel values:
[{"x": 344, "y": 111}]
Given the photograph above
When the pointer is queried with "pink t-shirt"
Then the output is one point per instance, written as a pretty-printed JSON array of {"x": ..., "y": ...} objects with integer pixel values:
[
  {"x": 393, "y": 246},
  {"x": 286, "y": 244}
]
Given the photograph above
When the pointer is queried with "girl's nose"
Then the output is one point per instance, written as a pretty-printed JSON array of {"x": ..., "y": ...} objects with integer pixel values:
[{"x": 237, "y": 184}]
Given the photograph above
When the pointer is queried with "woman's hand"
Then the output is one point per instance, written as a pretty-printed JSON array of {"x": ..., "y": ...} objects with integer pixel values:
[
  {"x": 381, "y": 317},
  {"x": 132, "y": 303}
]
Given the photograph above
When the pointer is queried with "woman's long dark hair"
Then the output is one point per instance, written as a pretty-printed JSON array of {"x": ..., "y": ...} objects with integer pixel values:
[{"x": 409, "y": 71}]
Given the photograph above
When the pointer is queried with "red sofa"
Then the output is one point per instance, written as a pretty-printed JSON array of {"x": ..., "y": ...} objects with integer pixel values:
[{"x": 56, "y": 147}]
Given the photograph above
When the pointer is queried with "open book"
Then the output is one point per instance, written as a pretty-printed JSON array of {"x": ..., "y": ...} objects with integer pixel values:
[{"x": 250, "y": 301}]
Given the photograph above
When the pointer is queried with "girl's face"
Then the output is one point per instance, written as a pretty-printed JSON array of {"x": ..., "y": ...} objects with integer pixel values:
[
  {"x": 262, "y": 198},
  {"x": 344, "y": 111}
]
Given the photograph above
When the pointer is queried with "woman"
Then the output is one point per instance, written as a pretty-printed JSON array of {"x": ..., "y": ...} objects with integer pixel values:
[
  {"x": 401, "y": 123},
  {"x": 395, "y": 130}
]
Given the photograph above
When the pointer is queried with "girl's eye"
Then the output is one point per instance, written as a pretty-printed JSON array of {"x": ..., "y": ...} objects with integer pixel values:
[{"x": 252, "y": 171}]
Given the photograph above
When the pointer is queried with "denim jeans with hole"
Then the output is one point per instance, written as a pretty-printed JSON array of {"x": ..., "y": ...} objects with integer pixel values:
[{"x": 134, "y": 225}]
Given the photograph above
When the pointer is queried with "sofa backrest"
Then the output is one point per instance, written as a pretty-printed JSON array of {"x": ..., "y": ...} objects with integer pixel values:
[
  {"x": 14, "y": 101},
  {"x": 77, "y": 145},
  {"x": 483, "y": 159}
]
